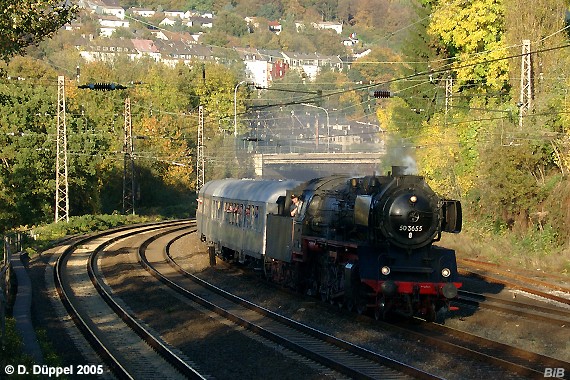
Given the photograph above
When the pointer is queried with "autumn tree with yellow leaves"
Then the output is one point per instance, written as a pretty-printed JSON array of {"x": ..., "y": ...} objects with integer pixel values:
[{"x": 511, "y": 172}]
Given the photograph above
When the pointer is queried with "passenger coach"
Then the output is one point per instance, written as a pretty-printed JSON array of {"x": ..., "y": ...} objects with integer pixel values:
[{"x": 232, "y": 214}]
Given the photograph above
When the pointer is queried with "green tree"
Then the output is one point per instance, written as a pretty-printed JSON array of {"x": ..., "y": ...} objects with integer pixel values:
[
  {"x": 27, "y": 22},
  {"x": 271, "y": 11},
  {"x": 231, "y": 24},
  {"x": 27, "y": 111}
]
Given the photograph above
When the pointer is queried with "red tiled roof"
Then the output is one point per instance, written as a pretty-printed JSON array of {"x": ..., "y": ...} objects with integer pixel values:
[{"x": 146, "y": 46}]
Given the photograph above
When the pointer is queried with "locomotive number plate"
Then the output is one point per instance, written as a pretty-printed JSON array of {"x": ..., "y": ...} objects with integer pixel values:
[{"x": 403, "y": 227}]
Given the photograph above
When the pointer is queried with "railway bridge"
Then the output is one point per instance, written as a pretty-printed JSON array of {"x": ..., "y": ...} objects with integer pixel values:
[{"x": 304, "y": 166}]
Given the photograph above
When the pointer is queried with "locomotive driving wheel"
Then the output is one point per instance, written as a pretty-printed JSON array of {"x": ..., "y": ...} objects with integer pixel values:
[
  {"x": 349, "y": 304},
  {"x": 331, "y": 280},
  {"x": 313, "y": 288},
  {"x": 431, "y": 314},
  {"x": 361, "y": 308},
  {"x": 356, "y": 300},
  {"x": 268, "y": 268},
  {"x": 325, "y": 293},
  {"x": 380, "y": 309}
]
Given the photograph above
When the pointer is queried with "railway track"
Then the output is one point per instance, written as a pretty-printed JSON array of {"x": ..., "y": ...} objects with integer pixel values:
[
  {"x": 126, "y": 346},
  {"x": 521, "y": 362},
  {"x": 341, "y": 356},
  {"x": 77, "y": 291},
  {"x": 493, "y": 354},
  {"x": 517, "y": 281},
  {"x": 547, "y": 314}
]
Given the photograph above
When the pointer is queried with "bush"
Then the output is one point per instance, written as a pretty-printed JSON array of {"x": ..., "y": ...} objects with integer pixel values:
[
  {"x": 11, "y": 350},
  {"x": 47, "y": 234}
]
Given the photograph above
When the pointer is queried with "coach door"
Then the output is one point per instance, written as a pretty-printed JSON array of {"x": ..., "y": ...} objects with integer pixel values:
[{"x": 278, "y": 240}]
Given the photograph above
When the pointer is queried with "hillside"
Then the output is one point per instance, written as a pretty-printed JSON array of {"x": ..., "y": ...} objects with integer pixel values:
[{"x": 485, "y": 120}]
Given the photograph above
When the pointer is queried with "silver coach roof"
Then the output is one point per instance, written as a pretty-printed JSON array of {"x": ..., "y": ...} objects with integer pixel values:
[{"x": 248, "y": 189}]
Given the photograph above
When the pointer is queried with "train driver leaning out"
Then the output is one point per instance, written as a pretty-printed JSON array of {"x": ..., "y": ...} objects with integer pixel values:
[{"x": 295, "y": 204}]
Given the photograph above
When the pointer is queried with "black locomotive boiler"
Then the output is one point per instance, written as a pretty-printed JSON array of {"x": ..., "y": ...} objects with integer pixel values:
[{"x": 364, "y": 242}]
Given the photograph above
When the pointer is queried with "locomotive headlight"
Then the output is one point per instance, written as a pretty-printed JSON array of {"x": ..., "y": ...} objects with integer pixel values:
[
  {"x": 385, "y": 271},
  {"x": 413, "y": 199},
  {"x": 445, "y": 272}
]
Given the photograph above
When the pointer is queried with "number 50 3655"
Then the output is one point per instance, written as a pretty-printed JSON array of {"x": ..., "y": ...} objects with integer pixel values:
[{"x": 404, "y": 227}]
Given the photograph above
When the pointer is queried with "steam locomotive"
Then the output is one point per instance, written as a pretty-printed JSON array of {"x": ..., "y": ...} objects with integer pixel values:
[{"x": 364, "y": 242}]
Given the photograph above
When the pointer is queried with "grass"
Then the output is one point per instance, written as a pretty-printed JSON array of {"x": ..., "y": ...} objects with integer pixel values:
[
  {"x": 43, "y": 237},
  {"x": 534, "y": 250},
  {"x": 11, "y": 352}
]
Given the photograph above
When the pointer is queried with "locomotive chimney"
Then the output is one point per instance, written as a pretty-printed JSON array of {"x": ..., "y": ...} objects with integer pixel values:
[{"x": 398, "y": 170}]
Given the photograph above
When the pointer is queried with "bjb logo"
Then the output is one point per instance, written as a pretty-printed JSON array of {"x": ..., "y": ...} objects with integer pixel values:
[{"x": 554, "y": 372}]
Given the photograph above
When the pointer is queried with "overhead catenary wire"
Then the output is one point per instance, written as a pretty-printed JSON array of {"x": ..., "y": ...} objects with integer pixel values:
[{"x": 368, "y": 86}]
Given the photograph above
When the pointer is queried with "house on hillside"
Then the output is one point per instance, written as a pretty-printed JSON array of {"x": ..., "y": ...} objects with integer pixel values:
[
  {"x": 111, "y": 10},
  {"x": 276, "y": 63},
  {"x": 175, "y": 52},
  {"x": 202, "y": 22},
  {"x": 90, "y": 5},
  {"x": 103, "y": 8},
  {"x": 175, "y": 14},
  {"x": 256, "y": 66},
  {"x": 356, "y": 133},
  {"x": 196, "y": 37},
  {"x": 104, "y": 49},
  {"x": 351, "y": 40},
  {"x": 167, "y": 21},
  {"x": 252, "y": 23},
  {"x": 336, "y": 26},
  {"x": 159, "y": 35},
  {"x": 275, "y": 27},
  {"x": 310, "y": 65},
  {"x": 110, "y": 23},
  {"x": 143, "y": 12},
  {"x": 146, "y": 48},
  {"x": 299, "y": 26}
]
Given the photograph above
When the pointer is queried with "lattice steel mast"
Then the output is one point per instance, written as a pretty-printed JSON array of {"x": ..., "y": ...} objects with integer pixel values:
[
  {"x": 526, "y": 88},
  {"x": 129, "y": 163},
  {"x": 61, "y": 182},
  {"x": 200, "y": 153}
]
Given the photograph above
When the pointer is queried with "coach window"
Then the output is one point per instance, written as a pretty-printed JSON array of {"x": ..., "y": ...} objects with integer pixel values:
[
  {"x": 210, "y": 207},
  {"x": 256, "y": 219},
  {"x": 231, "y": 215},
  {"x": 248, "y": 216},
  {"x": 252, "y": 216},
  {"x": 240, "y": 215},
  {"x": 229, "y": 211}
]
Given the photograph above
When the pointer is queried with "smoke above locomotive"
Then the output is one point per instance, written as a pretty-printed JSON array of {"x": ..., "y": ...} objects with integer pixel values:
[{"x": 366, "y": 242}]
